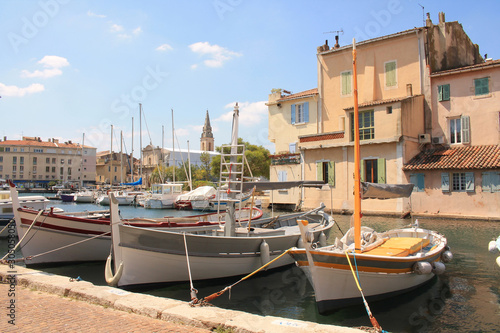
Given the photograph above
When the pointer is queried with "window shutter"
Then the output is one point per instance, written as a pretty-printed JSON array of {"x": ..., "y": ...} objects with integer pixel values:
[
  {"x": 421, "y": 182},
  {"x": 346, "y": 83},
  {"x": 465, "y": 129},
  {"x": 445, "y": 182},
  {"x": 487, "y": 181},
  {"x": 495, "y": 181},
  {"x": 362, "y": 170},
  {"x": 390, "y": 74},
  {"x": 381, "y": 171},
  {"x": 293, "y": 114},
  {"x": 282, "y": 176},
  {"x": 413, "y": 180},
  {"x": 469, "y": 181},
  {"x": 440, "y": 93},
  {"x": 331, "y": 173},
  {"x": 319, "y": 171},
  {"x": 446, "y": 92},
  {"x": 306, "y": 112}
]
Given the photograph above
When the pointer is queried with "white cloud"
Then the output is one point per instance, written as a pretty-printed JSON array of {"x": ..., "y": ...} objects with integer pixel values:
[
  {"x": 194, "y": 66},
  {"x": 92, "y": 14},
  {"x": 116, "y": 28},
  {"x": 137, "y": 31},
  {"x": 250, "y": 113},
  {"x": 182, "y": 132},
  {"x": 164, "y": 47},
  {"x": 15, "y": 91},
  {"x": 52, "y": 66},
  {"x": 217, "y": 55}
]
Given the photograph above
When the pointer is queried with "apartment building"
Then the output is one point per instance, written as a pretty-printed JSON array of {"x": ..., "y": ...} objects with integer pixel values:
[
  {"x": 31, "y": 162},
  {"x": 114, "y": 168}
]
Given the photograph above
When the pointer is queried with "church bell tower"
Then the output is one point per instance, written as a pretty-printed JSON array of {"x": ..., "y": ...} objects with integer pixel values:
[{"x": 207, "y": 137}]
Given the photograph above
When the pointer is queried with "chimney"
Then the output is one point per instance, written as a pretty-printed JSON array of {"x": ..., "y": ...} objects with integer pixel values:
[
  {"x": 409, "y": 90},
  {"x": 4, "y": 138},
  {"x": 441, "y": 18},
  {"x": 336, "y": 46},
  {"x": 428, "y": 21}
]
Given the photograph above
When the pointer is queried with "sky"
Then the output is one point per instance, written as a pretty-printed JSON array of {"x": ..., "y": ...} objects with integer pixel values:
[{"x": 72, "y": 68}]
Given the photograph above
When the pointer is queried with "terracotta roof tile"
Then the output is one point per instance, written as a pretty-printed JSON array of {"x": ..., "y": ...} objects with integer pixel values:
[
  {"x": 467, "y": 68},
  {"x": 380, "y": 102},
  {"x": 301, "y": 94},
  {"x": 464, "y": 157},
  {"x": 35, "y": 143}
]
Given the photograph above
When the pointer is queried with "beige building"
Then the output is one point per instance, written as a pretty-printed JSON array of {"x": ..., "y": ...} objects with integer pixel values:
[
  {"x": 395, "y": 98},
  {"x": 458, "y": 172},
  {"x": 114, "y": 166},
  {"x": 36, "y": 163}
]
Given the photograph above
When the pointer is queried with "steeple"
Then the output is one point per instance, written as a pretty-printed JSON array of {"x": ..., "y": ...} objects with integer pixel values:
[{"x": 207, "y": 137}]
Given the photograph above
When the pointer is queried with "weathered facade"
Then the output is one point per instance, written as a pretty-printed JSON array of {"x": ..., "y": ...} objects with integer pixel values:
[{"x": 114, "y": 168}]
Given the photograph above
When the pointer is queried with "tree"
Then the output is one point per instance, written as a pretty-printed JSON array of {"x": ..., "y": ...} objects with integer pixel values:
[
  {"x": 257, "y": 157},
  {"x": 205, "y": 165}
]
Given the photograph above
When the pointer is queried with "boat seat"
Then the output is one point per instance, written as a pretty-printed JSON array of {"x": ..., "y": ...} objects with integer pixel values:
[{"x": 399, "y": 247}]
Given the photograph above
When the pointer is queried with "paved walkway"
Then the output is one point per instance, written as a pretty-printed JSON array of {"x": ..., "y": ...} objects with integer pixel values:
[{"x": 38, "y": 311}]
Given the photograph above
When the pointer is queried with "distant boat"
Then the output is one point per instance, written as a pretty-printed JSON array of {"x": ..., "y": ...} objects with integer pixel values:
[
  {"x": 33, "y": 201},
  {"x": 365, "y": 263},
  {"x": 163, "y": 195},
  {"x": 218, "y": 201},
  {"x": 125, "y": 198},
  {"x": 183, "y": 201},
  {"x": 85, "y": 196}
]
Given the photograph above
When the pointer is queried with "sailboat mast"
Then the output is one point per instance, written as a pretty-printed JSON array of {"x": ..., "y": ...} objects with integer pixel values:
[
  {"x": 111, "y": 160},
  {"x": 131, "y": 163},
  {"x": 357, "y": 175},
  {"x": 173, "y": 146},
  {"x": 140, "y": 138},
  {"x": 121, "y": 156},
  {"x": 81, "y": 163}
]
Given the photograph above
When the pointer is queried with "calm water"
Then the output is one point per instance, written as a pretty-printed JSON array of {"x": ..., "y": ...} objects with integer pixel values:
[{"x": 466, "y": 298}]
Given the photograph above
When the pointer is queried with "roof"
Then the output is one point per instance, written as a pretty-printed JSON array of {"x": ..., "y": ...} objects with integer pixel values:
[
  {"x": 463, "y": 157},
  {"x": 36, "y": 143},
  {"x": 484, "y": 65},
  {"x": 380, "y": 102},
  {"x": 302, "y": 94}
]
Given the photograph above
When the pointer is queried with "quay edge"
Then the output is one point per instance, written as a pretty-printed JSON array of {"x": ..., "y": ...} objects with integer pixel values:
[{"x": 160, "y": 308}]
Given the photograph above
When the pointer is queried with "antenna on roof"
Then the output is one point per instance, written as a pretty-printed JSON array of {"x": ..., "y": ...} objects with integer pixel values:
[{"x": 423, "y": 15}]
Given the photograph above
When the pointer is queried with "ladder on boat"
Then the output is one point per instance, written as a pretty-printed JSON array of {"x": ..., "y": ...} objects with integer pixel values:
[{"x": 232, "y": 169}]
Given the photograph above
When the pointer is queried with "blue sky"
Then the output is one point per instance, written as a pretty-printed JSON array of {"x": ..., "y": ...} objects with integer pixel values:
[{"x": 71, "y": 67}]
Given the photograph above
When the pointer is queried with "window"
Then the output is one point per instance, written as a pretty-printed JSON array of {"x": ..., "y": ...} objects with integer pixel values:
[
  {"x": 53, "y": 160},
  {"x": 282, "y": 176},
  {"x": 388, "y": 109},
  {"x": 292, "y": 148},
  {"x": 462, "y": 181},
  {"x": 61, "y": 170},
  {"x": 34, "y": 160},
  {"x": 38, "y": 150},
  {"x": 346, "y": 83},
  {"x": 14, "y": 168},
  {"x": 62, "y": 160},
  {"x": 300, "y": 113},
  {"x": 418, "y": 180},
  {"x": 69, "y": 161},
  {"x": 490, "y": 181},
  {"x": 14, "y": 159},
  {"x": 366, "y": 125},
  {"x": 21, "y": 160},
  {"x": 53, "y": 169},
  {"x": 1, "y": 168},
  {"x": 14, "y": 150},
  {"x": 47, "y": 169},
  {"x": 47, "y": 160},
  {"x": 390, "y": 74},
  {"x": 21, "y": 169},
  {"x": 325, "y": 171},
  {"x": 460, "y": 130},
  {"x": 69, "y": 171},
  {"x": 7, "y": 149},
  {"x": 444, "y": 92},
  {"x": 34, "y": 169},
  {"x": 1, "y": 159},
  {"x": 373, "y": 171},
  {"x": 481, "y": 86}
]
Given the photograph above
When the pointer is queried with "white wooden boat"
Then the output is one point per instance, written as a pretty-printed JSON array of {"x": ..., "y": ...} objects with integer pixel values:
[
  {"x": 379, "y": 264},
  {"x": 125, "y": 198},
  {"x": 32, "y": 201},
  {"x": 90, "y": 231},
  {"x": 150, "y": 255},
  {"x": 85, "y": 196},
  {"x": 163, "y": 195},
  {"x": 201, "y": 193}
]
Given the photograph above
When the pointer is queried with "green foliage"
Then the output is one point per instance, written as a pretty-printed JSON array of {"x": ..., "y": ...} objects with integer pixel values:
[{"x": 257, "y": 157}]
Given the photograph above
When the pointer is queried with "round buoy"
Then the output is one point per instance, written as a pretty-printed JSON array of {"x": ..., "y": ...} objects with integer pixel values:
[
  {"x": 422, "y": 267},
  {"x": 498, "y": 261},
  {"x": 438, "y": 268},
  {"x": 492, "y": 247},
  {"x": 265, "y": 257},
  {"x": 446, "y": 256},
  {"x": 300, "y": 243}
]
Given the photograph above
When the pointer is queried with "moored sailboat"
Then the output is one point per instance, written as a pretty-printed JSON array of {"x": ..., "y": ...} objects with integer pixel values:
[{"x": 384, "y": 264}]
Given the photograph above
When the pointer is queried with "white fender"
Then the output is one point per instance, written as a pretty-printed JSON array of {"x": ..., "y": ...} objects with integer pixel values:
[
  {"x": 322, "y": 239},
  {"x": 438, "y": 268},
  {"x": 492, "y": 247},
  {"x": 422, "y": 267},
  {"x": 498, "y": 261},
  {"x": 265, "y": 257},
  {"x": 112, "y": 279},
  {"x": 446, "y": 256}
]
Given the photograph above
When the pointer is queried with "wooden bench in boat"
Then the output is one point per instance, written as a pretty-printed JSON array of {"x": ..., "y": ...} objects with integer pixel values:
[{"x": 399, "y": 247}]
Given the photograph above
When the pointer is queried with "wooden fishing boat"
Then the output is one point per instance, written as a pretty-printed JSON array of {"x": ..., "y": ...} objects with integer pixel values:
[
  {"x": 381, "y": 264},
  {"x": 150, "y": 255}
]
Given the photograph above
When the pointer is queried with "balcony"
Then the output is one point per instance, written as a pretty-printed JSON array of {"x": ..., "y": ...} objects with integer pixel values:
[{"x": 287, "y": 158}]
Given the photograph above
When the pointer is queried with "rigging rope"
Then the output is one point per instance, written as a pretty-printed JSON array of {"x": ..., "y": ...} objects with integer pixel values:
[
  {"x": 7, "y": 225},
  {"x": 24, "y": 236},
  {"x": 193, "y": 290}
]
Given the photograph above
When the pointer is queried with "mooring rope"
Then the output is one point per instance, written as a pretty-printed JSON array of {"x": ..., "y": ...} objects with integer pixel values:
[
  {"x": 7, "y": 225},
  {"x": 24, "y": 236},
  {"x": 367, "y": 307},
  {"x": 206, "y": 300},
  {"x": 194, "y": 292}
]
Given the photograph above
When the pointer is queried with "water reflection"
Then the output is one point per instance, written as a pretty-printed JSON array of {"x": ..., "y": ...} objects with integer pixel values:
[{"x": 466, "y": 298}]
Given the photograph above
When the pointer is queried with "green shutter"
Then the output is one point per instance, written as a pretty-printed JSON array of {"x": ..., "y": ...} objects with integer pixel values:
[
  {"x": 331, "y": 173},
  {"x": 390, "y": 74},
  {"x": 346, "y": 83},
  {"x": 482, "y": 86},
  {"x": 440, "y": 93},
  {"x": 446, "y": 92},
  {"x": 469, "y": 181},
  {"x": 362, "y": 170},
  {"x": 293, "y": 114},
  {"x": 487, "y": 181},
  {"x": 381, "y": 171},
  {"x": 445, "y": 182},
  {"x": 418, "y": 180},
  {"x": 319, "y": 171},
  {"x": 465, "y": 129}
]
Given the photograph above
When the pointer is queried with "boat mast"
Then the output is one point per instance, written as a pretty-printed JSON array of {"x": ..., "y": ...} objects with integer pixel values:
[
  {"x": 81, "y": 163},
  {"x": 357, "y": 175},
  {"x": 173, "y": 147},
  {"x": 111, "y": 160},
  {"x": 131, "y": 163},
  {"x": 121, "y": 156},
  {"x": 140, "y": 138},
  {"x": 189, "y": 163}
]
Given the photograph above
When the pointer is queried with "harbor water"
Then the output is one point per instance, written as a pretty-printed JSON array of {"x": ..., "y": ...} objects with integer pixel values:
[{"x": 466, "y": 298}]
